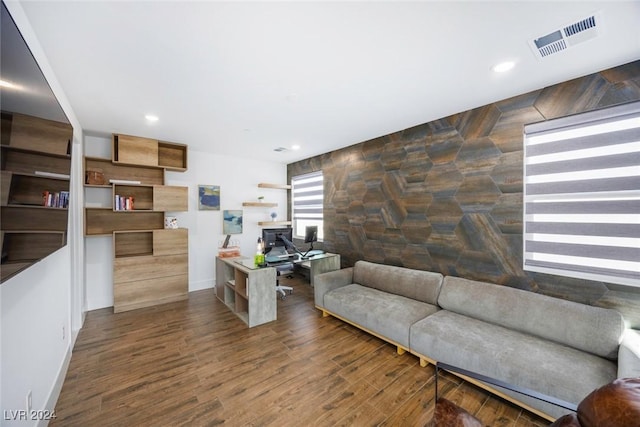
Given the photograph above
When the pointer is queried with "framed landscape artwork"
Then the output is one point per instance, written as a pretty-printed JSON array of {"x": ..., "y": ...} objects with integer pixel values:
[
  {"x": 232, "y": 221},
  {"x": 209, "y": 197}
]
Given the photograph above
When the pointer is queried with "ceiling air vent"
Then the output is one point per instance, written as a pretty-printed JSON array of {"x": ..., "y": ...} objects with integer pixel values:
[{"x": 567, "y": 36}]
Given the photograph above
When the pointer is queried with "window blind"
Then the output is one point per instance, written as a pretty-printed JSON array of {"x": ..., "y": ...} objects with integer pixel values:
[
  {"x": 307, "y": 195},
  {"x": 582, "y": 195}
]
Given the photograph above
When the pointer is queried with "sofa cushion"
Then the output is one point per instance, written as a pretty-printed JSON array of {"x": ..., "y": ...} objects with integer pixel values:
[
  {"x": 325, "y": 282},
  {"x": 592, "y": 329},
  {"x": 516, "y": 358},
  {"x": 386, "y": 314},
  {"x": 415, "y": 284}
]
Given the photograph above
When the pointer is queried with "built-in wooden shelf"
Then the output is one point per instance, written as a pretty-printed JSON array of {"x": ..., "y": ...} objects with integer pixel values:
[
  {"x": 144, "y": 174},
  {"x": 101, "y": 221},
  {"x": 136, "y": 150}
]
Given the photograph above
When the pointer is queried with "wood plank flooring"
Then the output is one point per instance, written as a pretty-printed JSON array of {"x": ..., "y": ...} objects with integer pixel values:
[{"x": 194, "y": 363}]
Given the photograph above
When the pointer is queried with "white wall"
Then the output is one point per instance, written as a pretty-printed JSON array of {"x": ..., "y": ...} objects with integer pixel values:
[
  {"x": 238, "y": 179},
  {"x": 39, "y": 303}
]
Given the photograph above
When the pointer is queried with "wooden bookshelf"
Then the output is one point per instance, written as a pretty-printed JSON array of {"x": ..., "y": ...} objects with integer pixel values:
[{"x": 150, "y": 263}]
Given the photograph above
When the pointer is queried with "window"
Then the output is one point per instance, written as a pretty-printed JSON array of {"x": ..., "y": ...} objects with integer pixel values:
[
  {"x": 307, "y": 200},
  {"x": 582, "y": 195}
]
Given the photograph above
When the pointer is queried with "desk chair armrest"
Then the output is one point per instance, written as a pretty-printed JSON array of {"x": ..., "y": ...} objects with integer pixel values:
[{"x": 326, "y": 282}]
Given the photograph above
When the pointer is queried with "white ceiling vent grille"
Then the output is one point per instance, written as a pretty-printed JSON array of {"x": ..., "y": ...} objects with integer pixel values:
[{"x": 565, "y": 37}]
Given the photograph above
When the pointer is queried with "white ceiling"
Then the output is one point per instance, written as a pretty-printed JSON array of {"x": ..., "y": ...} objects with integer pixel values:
[{"x": 243, "y": 78}]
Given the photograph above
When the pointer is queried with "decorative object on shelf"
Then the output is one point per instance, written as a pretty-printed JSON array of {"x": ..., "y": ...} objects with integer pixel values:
[
  {"x": 273, "y": 216},
  {"x": 171, "y": 222},
  {"x": 209, "y": 197},
  {"x": 229, "y": 252},
  {"x": 232, "y": 221},
  {"x": 261, "y": 199},
  {"x": 94, "y": 177},
  {"x": 229, "y": 248}
]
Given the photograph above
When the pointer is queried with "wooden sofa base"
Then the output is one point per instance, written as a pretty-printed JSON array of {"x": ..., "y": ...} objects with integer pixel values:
[{"x": 425, "y": 361}]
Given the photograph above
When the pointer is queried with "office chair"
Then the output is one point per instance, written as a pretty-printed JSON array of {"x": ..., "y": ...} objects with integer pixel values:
[
  {"x": 279, "y": 258},
  {"x": 282, "y": 269}
]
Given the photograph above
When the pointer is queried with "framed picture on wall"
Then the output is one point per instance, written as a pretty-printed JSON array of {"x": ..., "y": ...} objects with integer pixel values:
[
  {"x": 232, "y": 221},
  {"x": 209, "y": 197}
]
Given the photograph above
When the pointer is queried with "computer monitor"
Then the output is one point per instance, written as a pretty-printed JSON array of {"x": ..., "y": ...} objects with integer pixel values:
[
  {"x": 311, "y": 234},
  {"x": 272, "y": 237}
]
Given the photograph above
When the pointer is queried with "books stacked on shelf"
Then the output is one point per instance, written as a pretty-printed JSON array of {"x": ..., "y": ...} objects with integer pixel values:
[
  {"x": 123, "y": 203},
  {"x": 57, "y": 199}
]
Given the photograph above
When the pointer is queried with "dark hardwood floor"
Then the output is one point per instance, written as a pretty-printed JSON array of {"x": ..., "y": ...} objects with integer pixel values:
[{"x": 195, "y": 363}]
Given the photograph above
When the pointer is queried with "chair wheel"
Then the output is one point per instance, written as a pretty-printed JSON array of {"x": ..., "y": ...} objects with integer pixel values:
[{"x": 291, "y": 291}]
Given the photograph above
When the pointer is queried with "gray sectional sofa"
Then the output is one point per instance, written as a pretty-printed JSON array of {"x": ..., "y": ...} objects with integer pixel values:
[{"x": 558, "y": 348}]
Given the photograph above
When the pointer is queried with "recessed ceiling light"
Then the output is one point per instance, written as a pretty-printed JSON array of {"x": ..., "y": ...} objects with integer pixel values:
[
  {"x": 503, "y": 66},
  {"x": 151, "y": 118},
  {"x": 295, "y": 147}
]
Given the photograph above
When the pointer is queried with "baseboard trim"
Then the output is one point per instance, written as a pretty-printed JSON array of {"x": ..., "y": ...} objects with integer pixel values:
[
  {"x": 200, "y": 285},
  {"x": 54, "y": 394}
]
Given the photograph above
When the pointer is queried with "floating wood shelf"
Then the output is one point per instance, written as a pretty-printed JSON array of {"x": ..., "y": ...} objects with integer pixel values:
[
  {"x": 268, "y": 223},
  {"x": 260, "y": 204},
  {"x": 277, "y": 186}
]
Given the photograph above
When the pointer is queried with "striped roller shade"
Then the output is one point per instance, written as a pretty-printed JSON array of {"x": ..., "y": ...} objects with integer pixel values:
[
  {"x": 307, "y": 191},
  {"x": 582, "y": 195}
]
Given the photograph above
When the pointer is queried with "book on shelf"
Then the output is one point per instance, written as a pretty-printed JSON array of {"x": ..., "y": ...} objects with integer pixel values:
[
  {"x": 123, "y": 203},
  {"x": 55, "y": 199}
]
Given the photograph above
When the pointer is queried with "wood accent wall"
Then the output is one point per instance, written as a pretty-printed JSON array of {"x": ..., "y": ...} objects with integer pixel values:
[{"x": 446, "y": 195}]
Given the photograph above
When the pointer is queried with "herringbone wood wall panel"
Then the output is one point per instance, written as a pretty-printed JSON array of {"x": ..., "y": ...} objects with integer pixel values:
[{"x": 446, "y": 196}]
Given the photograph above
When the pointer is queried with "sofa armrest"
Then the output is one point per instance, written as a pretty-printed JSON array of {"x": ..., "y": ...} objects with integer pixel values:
[
  {"x": 331, "y": 280},
  {"x": 629, "y": 354}
]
